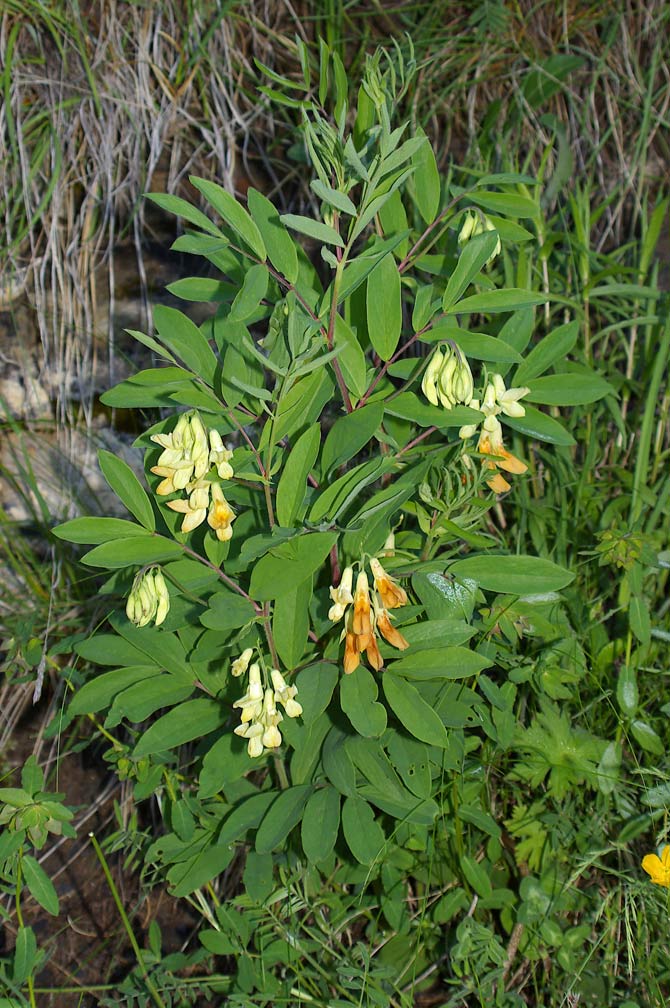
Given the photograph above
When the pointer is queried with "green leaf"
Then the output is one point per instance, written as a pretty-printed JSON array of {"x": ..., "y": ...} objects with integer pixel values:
[
  {"x": 476, "y": 876},
  {"x": 257, "y": 878},
  {"x": 349, "y": 434},
  {"x": 201, "y": 289},
  {"x": 384, "y": 307},
  {"x": 302, "y": 404},
  {"x": 340, "y": 494},
  {"x": 142, "y": 699},
  {"x": 244, "y": 817},
  {"x": 445, "y": 598},
  {"x": 136, "y": 550},
  {"x": 337, "y": 763},
  {"x": 191, "y": 720},
  {"x": 358, "y": 270},
  {"x": 108, "y": 649},
  {"x": 186, "y": 341},
  {"x": 279, "y": 244},
  {"x": 393, "y": 219},
  {"x": 97, "y": 694},
  {"x": 441, "y": 663},
  {"x": 554, "y": 347},
  {"x": 227, "y": 611},
  {"x": 251, "y": 293},
  {"x": 358, "y": 693},
  {"x": 426, "y": 187},
  {"x": 408, "y": 406},
  {"x": 361, "y": 830},
  {"x": 290, "y": 623},
  {"x": 25, "y": 956},
  {"x": 513, "y": 575},
  {"x": 156, "y": 644},
  {"x": 97, "y": 530},
  {"x": 627, "y": 693},
  {"x": 127, "y": 487},
  {"x": 414, "y": 714},
  {"x": 313, "y": 229},
  {"x": 538, "y": 425},
  {"x": 225, "y": 762},
  {"x": 284, "y": 813},
  {"x": 289, "y": 564},
  {"x": 339, "y": 200},
  {"x": 40, "y": 885},
  {"x": 437, "y": 633},
  {"x": 473, "y": 344},
  {"x": 195, "y": 872},
  {"x": 493, "y": 301},
  {"x": 292, "y": 487},
  {"x": 473, "y": 257},
  {"x": 232, "y": 213},
  {"x": 410, "y": 758},
  {"x": 350, "y": 356},
  {"x": 316, "y": 684},
  {"x": 639, "y": 618},
  {"x": 320, "y": 824},
  {"x": 646, "y": 737},
  {"x": 182, "y": 208},
  {"x": 571, "y": 389},
  {"x": 511, "y": 204}
]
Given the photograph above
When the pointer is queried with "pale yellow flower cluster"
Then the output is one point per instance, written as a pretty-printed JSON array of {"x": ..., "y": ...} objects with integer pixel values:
[
  {"x": 188, "y": 454},
  {"x": 149, "y": 598},
  {"x": 497, "y": 399},
  {"x": 365, "y": 613},
  {"x": 260, "y": 716}
]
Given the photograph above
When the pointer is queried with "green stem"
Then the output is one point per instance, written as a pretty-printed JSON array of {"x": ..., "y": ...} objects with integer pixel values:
[
  {"x": 19, "y": 917},
  {"x": 644, "y": 444},
  {"x": 157, "y": 999},
  {"x": 330, "y": 335}
]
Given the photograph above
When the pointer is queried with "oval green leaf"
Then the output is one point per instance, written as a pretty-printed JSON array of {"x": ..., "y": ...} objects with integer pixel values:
[
  {"x": 513, "y": 575},
  {"x": 414, "y": 714}
]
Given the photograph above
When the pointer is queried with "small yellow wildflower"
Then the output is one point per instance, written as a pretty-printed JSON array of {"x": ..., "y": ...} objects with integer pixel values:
[
  {"x": 221, "y": 516},
  {"x": 658, "y": 867},
  {"x": 341, "y": 596},
  {"x": 194, "y": 508}
]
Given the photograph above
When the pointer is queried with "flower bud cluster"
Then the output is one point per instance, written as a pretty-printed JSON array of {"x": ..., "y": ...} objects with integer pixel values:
[
  {"x": 476, "y": 223},
  {"x": 365, "y": 614},
  {"x": 149, "y": 598},
  {"x": 189, "y": 452},
  {"x": 260, "y": 717},
  {"x": 447, "y": 379}
]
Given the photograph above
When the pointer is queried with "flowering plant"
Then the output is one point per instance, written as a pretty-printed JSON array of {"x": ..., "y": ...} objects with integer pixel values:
[{"x": 303, "y": 446}]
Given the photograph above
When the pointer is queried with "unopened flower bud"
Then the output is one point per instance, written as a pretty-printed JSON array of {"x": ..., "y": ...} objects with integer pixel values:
[
  {"x": 241, "y": 664},
  {"x": 430, "y": 376}
]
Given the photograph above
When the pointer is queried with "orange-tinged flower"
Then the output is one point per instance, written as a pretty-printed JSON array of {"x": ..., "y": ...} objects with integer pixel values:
[
  {"x": 491, "y": 444},
  {"x": 389, "y": 632},
  {"x": 658, "y": 867},
  {"x": 372, "y": 652},
  {"x": 351, "y": 654},
  {"x": 392, "y": 595},
  {"x": 361, "y": 623}
]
